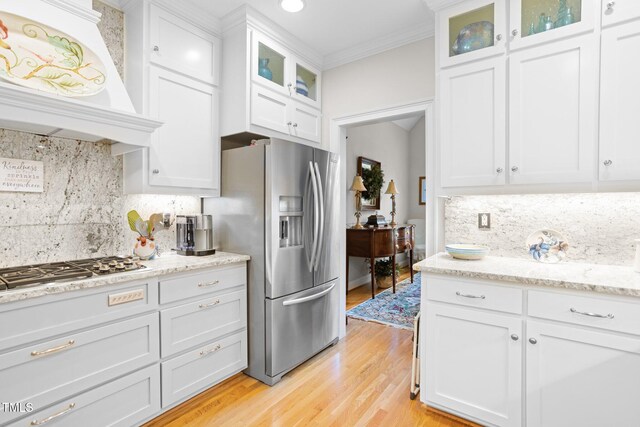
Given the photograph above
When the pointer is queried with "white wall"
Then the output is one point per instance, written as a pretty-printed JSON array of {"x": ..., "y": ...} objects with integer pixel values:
[
  {"x": 417, "y": 168},
  {"x": 388, "y": 144},
  {"x": 395, "y": 77}
]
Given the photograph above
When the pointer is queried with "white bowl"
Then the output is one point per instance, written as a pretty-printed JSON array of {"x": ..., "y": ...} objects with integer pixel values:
[{"x": 467, "y": 251}]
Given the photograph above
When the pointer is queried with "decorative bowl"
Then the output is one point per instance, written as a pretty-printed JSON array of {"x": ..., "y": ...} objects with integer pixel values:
[
  {"x": 548, "y": 246},
  {"x": 467, "y": 251}
]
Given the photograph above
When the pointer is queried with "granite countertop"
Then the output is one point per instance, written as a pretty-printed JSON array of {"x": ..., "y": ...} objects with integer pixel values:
[
  {"x": 166, "y": 264},
  {"x": 609, "y": 279}
]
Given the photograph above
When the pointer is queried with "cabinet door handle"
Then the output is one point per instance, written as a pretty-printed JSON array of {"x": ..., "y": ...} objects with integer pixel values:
[
  {"x": 156, "y": 48},
  {"x": 156, "y": 171},
  {"x": 470, "y": 296},
  {"x": 607, "y": 162},
  {"x": 586, "y": 313},
  {"x": 289, "y": 123},
  {"x": 499, "y": 170},
  {"x": 54, "y": 416},
  {"x": 295, "y": 125},
  {"x": 213, "y": 350},
  {"x": 289, "y": 86},
  {"x": 533, "y": 341},
  {"x": 515, "y": 169},
  {"x": 515, "y": 337},
  {"x": 499, "y": 37},
  {"x": 514, "y": 32},
  {"x": 207, "y": 284},
  {"x": 211, "y": 304},
  {"x": 610, "y": 5},
  {"x": 54, "y": 349}
]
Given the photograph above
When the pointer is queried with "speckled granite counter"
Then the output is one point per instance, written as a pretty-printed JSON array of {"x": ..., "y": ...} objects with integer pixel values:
[
  {"x": 166, "y": 264},
  {"x": 589, "y": 277}
]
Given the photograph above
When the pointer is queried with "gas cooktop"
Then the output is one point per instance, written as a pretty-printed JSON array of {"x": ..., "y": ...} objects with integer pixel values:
[{"x": 38, "y": 274}]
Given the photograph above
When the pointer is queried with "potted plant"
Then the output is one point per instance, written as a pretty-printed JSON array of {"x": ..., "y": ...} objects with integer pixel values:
[{"x": 384, "y": 269}]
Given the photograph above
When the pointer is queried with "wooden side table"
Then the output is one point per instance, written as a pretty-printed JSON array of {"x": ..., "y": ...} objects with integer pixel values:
[{"x": 379, "y": 242}]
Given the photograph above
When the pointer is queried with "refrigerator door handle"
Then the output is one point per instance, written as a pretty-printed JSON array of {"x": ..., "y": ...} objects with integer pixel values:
[
  {"x": 321, "y": 221},
  {"x": 314, "y": 186},
  {"x": 307, "y": 224},
  {"x": 310, "y": 297}
]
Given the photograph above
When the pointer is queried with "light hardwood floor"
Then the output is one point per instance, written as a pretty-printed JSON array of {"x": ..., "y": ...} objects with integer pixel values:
[{"x": 361, "y": 381}]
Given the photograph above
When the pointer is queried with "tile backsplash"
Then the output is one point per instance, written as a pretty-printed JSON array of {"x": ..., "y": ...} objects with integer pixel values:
[{"x": 600, "y": 228}]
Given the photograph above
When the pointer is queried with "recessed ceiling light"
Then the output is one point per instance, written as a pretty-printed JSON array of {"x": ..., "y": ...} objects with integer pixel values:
[{"x": 292, "y": 5}]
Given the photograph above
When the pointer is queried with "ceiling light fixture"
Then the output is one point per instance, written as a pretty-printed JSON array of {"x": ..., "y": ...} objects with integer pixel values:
[{"x": 292, "y": 5}]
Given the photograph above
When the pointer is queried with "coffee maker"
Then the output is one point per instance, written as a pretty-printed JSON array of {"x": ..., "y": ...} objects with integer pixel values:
[{"x": 194, "y": 235}]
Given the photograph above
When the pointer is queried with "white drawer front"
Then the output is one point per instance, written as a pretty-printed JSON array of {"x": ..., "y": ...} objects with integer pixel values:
[
  {"x": 40, "y": 318},
  {"x": 471, "y": 294},
  {"x": 51, "y": 370},
  {"x": 123, "y": 402},
  {"x": 589, "y": 311},
  {"x": 195, "y": 323},
  {"x": 192, "y": 285},
  {"x": 201, "y": 368}
]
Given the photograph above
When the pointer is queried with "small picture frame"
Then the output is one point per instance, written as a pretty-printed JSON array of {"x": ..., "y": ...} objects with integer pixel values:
[{"x": 422, "y": 190}]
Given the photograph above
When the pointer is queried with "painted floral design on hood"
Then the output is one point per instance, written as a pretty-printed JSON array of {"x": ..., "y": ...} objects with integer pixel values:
[{"x": 4, "y": 33}]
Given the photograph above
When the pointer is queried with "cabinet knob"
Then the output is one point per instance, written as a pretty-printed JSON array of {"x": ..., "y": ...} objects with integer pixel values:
[
  {"x": 499, "y": 37},
  {"x": 515, "y": 169},
  {"x": 514, "y": 33},
  {"x": 295, "y": 125},
  {"x": 156, "y": 48},
  {"x": 610, "y": 5},
  {"x": 155, "y": 171},
  {"x": 515, "y": 337},
  {"x": 607, "y": 162},
  {"x": 289, "y": 123},
  {"x": 499, "y": 170},
  {"x": 533, "y": 341}
]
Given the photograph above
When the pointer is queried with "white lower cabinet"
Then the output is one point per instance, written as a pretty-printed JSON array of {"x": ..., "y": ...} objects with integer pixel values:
[
  {"x": 569, "y": 358},
  {"x": 474, "y": 363},
  {"x": 578, "y": 377}
]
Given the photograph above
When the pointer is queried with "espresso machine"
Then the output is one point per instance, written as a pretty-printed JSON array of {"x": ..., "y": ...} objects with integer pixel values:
[{"x": 194, "y": 235}]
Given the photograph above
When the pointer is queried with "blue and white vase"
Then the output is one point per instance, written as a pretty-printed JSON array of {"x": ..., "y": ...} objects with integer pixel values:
[
  {"x": 263, "y": 69},
  {"x": 301, "y": 87}
]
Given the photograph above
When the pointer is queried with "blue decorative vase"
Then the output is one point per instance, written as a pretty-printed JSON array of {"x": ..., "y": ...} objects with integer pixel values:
[
  {"x": 301, "y": 87},
  {"x": 263, "y": 69}
]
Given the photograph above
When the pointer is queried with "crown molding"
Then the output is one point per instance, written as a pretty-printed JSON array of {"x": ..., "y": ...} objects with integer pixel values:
[
  {"x": 379, "y": 45},
  {"x": 77, "y": 9},
  {"x": 189, "y": 12},
  {"x": 116, "y": 4},
  {"x": 437, "y": 5}
]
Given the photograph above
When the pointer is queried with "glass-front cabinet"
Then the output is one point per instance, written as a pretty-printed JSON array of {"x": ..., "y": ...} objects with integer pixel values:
[
  {"x": 540, "y": 21},
  {"x": 472, "y": 30},
  {"x": 276, "y": 68}
]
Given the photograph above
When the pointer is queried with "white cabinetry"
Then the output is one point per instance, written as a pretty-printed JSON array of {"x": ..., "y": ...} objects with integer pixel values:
[
  {"x": 269, "y": 88},
  {"x": 472, "y": 105},
  {"x": 620, "y": 101},
  {"x": 552, "y": 107},
  {"x": 172, "y": 75}
]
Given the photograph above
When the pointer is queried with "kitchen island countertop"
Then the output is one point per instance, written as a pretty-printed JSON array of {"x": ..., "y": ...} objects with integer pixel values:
[
  {"x": 169, "y": 263},
  {"x": 607, "y": 279}
]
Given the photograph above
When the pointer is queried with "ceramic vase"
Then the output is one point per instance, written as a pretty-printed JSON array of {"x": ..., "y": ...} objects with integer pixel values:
[
  {"x": 145, "y": 248},
  {"x": 263, "y": 69}
]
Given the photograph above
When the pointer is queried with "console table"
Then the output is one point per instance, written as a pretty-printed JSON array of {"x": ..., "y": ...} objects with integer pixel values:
[{"x": 380, "y": 242}]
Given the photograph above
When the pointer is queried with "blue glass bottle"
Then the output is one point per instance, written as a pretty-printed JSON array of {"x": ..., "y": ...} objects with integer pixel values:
[{"x": 263, "y": 69}]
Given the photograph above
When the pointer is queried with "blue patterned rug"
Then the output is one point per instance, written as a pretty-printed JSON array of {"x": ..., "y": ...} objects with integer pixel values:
[{"x": 397, "y": 310}]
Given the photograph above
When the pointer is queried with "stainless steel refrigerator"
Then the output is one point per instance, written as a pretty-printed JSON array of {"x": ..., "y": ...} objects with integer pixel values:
[{"x": 279, "y": 204}]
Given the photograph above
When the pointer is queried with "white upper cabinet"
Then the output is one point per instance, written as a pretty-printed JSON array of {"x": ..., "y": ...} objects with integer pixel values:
[
  {"x": 540, "y": 21},
  {"x": 472, "y": 30},
  {"x": 617, "y": 11},
  {"x": 620, "y": 103},
  {"x": 578, "y": 377},
  {"x": 181, "y": 47},
  {"x": 552, "y": 105},
  {"x": 472, "y": 105}
]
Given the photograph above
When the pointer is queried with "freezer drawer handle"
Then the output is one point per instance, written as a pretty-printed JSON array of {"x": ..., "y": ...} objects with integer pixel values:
[
  {"x": 584, "y": 313},
  {"x": 310, "y": 297},
  {"x": 54, "y": 416},
  {"x": 54, "y": 349}
]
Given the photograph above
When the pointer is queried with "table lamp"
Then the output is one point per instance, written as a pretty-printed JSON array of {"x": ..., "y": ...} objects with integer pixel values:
[
  {"x": 358, "y": 187},
  {"x": 391, "y": 189}
]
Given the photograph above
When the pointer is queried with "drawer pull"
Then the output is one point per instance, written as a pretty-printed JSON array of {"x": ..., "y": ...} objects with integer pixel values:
[
  {"x": 54, "y": 349},
  {"x": 54, "y": 416},
  {"x": 470, "y": 296},
  {"x": 208, "y": 352},
  {"x": 211, "y": 304},
  {"x": 205, "y": 285},
  {"x": 599, "y": 316}
]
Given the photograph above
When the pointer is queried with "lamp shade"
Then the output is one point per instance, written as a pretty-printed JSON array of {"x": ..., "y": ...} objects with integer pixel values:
[
  {"x": 391, "y": 189},
  {"x": 358, "y": 185}
]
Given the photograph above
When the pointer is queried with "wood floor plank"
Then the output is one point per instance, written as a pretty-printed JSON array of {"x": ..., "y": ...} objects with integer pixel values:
[{"x": 361, "y": 381}]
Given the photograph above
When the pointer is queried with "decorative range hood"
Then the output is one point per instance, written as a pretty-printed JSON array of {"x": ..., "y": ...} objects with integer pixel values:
[{"x": 108, "y": 114}]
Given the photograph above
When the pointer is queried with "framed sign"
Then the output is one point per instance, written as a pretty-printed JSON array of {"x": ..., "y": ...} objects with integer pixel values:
[
  {"x": 19, "y": 175},
  {"x": 422, "y": 190},
  {"x": 366, "y": 169}
]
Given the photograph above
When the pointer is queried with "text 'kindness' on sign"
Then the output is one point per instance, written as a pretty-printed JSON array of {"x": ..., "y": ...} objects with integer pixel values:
[{"x": 21, "y": 175}]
